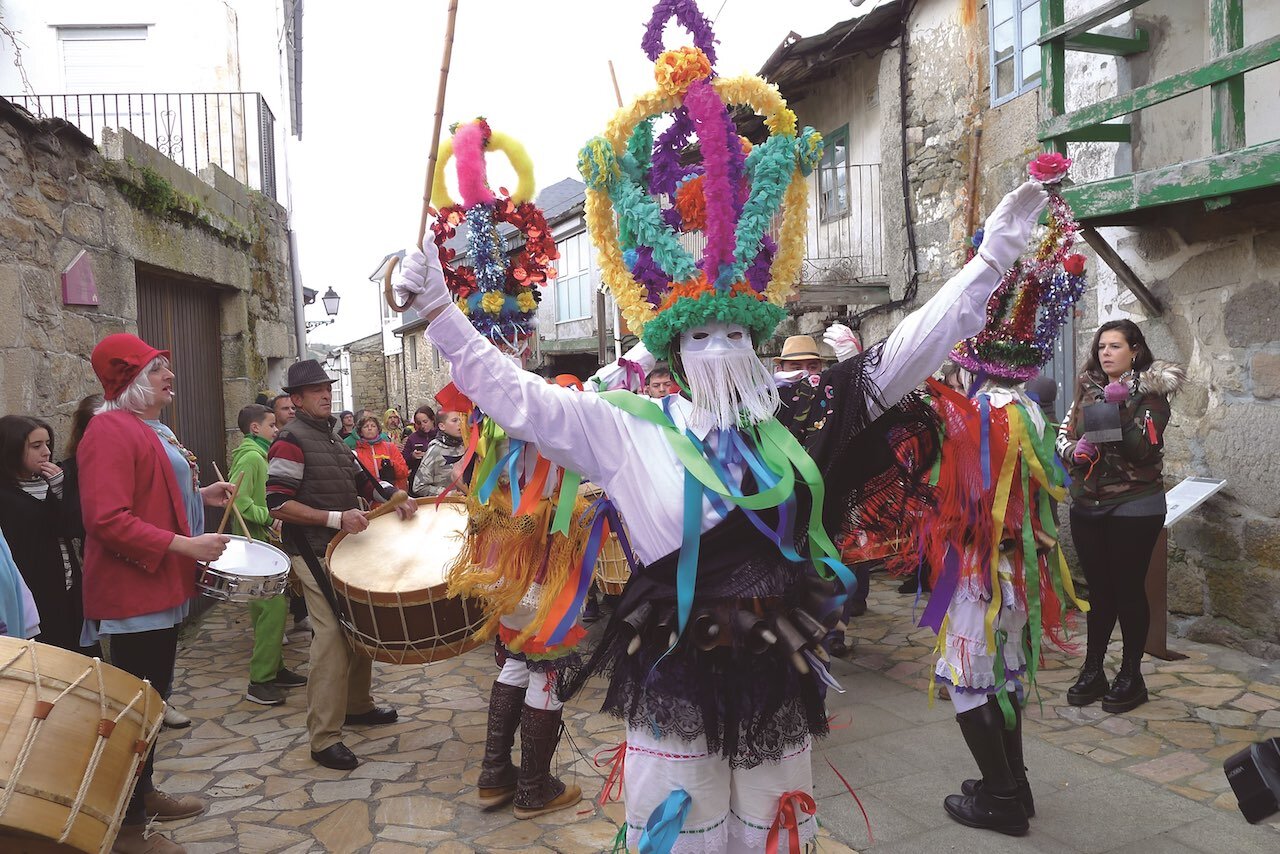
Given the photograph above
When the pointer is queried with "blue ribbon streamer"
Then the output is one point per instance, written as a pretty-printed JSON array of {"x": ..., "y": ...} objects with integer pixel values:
[
  {"x": 513, "y": 472},
  {"x": 597, "y": 516},
  {"x": 984, "y": 415},
  {"x": 687, "y": 566},
  {"x": 663, "y": 827},
  {"x": 491, "y": 482}
]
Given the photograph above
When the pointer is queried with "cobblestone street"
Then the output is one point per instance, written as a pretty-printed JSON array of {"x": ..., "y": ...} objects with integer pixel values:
[{"x": 414, "y": 790}]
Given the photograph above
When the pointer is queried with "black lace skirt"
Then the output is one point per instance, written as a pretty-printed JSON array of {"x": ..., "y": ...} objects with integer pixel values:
[{"x": 752, "y": 705}]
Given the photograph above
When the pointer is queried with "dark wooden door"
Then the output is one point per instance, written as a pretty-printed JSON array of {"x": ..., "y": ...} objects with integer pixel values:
[{"x": 181, "y": 316}]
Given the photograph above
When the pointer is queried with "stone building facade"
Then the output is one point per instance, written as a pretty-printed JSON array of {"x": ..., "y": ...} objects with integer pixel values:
[
  {"x": 368, "y": 376},
  {"x": 1214, "y": 268},
  {"x": 154, "y": 235}
]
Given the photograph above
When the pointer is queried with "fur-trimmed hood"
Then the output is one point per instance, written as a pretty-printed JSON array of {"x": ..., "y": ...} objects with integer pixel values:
[{"x": 1164, "y": 378}]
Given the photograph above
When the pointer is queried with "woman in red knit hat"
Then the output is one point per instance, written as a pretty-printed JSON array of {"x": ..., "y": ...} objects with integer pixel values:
[{"x": 144, "y": 520}]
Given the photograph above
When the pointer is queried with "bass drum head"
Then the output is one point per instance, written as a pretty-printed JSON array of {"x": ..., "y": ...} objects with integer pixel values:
[{"x": 390, "y": 581}]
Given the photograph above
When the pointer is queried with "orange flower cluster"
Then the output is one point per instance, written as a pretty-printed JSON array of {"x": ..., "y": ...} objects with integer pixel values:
[
  {"x": 692, "y": 205},
  {"x": 676, "y": 69}
]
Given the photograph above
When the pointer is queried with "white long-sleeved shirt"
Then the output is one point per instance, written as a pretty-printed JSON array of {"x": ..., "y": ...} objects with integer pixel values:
[{"x": 630, "y": 458}]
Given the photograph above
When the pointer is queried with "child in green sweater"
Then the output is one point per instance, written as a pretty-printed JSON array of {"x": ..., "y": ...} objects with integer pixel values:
[{"x": 267, "y": 674}]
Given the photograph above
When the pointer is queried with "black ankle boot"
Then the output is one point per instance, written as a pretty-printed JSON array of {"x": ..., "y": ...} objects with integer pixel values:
[
  {"x": 994, "y": 805},
  {"x": 1128, "y": 691},
  {"x": 1013, "y": 752},
  {"x": 1092, "y": 683}
]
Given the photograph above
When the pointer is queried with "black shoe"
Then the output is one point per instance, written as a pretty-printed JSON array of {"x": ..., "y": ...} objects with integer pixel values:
[
  {"x": 337, "y": 757},
  {"x": 858, "y": 608},
  {"x": 988, "y": 811},
  {"x": 972, "y": 787},
  {"x": 841, "y": 648},
  {"x": 286, "y": 678},
  {"x": 1091, "y": 685},
  {"x": 909, "y": 585},
  {"x": 264, "y": 694},
  {"x": 374, "y": 717},
  {"x": 591, "y": 612},
  {"x": 1129, "y": 690}
]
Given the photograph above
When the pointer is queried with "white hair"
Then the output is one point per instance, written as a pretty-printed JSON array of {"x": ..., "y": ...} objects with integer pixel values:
[
  {"x": 138, "y": 396},
  {"x": 728, "y": 387}
]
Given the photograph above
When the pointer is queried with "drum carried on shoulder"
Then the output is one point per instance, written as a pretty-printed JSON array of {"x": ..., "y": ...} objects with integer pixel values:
[
  {"x": 73, "y": 735},
  {"x": 389, "y": 581}
]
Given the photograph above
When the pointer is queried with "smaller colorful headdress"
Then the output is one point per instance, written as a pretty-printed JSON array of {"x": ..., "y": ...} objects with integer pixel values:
[
  {"x": 498, "y": 294},
  {"x": 731, "y": 197},
  {"x": 1035, "y": 296}
]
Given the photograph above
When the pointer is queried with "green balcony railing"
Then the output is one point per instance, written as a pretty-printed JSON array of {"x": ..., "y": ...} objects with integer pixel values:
[{"x": 1233, "y": 167}]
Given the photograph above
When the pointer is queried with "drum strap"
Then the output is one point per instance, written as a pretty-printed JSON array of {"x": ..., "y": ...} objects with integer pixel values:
[{"x": 299, "y": 541}]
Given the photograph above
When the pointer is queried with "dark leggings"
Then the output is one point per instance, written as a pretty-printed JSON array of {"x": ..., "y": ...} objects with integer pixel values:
[
  {"x": 147, "y": 655},
  {"x": 1114, "y": 553}
]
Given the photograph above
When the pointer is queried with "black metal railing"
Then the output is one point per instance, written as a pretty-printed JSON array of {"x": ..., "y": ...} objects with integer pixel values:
[
  {"x": 234, "y": 130},
  {"x": 844, "y": 240}
]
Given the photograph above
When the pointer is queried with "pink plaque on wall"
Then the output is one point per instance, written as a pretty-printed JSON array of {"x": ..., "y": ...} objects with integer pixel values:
[{"x": 78, "y": 287}]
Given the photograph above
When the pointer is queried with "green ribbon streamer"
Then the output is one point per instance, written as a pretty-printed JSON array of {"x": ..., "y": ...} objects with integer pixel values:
[
  {"x": 491, "y": 435},
  {"x": 565, "y": 502},
  {"x": 1030, "y": 576},
  {"x": 1002, "y": 681}
]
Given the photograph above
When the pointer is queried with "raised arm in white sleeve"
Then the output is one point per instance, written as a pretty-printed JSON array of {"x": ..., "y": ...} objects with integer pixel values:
[
  {"x": 921, "y": 342},
  {"x": 615, "y": 374},
  {"x": 575, "y": 430}
]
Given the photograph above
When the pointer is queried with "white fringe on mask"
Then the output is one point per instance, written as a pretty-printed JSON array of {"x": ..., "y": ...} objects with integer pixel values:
[{"x": 727, "y": 387}]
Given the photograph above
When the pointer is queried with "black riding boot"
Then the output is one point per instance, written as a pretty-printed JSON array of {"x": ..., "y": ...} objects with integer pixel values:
[
  {"x": 1012, "y": 750},
  {"x": 1128, "y": 691},
  {"x": 498, "y": 775},
  {"x": 995, "y": 804},
  {"x": 1092, "y": 683}
]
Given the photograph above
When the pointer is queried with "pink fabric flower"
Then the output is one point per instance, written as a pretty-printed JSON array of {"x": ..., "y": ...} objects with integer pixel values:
[
  {"x": 1074, "y": 264},
  {"x": 1049, "y": 168}
]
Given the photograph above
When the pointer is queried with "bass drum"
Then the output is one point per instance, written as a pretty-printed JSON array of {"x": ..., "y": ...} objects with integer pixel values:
[
  {"x": 73, "y": 735},
  {"x": 389, "y": 581}
]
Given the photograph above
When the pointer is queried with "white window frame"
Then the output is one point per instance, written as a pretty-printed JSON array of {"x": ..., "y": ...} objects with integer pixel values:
[
  {"x": 580, "y": 279},
  {"x": 1023, "y": 41},
  {"x": 836, "y": 174}
]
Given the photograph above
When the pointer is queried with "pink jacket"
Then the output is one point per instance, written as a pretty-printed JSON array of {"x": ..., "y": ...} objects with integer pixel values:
[{"x": 132, "y": 509}]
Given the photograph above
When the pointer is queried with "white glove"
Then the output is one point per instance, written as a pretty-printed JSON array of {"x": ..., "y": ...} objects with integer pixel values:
[
  {"x": 841, "y": 339},
  {"x": 786, "y": 379},
  {"x": 420, "y": 279},
  {"x": 1006, "y": 231},
  {"x": 615, "y": 376}
]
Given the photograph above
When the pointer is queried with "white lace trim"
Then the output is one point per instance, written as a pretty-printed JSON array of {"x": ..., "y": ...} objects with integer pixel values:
[
  {"x": 754, "y": 836},
  {"x": 710, "y": 838}
]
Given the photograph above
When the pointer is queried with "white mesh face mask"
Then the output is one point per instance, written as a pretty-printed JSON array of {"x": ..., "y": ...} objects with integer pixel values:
[{"x": 727, "y": 382}]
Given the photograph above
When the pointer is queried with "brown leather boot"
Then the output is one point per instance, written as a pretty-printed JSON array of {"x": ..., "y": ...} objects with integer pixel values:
[
  {"x": 133, "y": 839},
  {"x": 538, "y": 791},
  {"x": 497, "y": 784}
]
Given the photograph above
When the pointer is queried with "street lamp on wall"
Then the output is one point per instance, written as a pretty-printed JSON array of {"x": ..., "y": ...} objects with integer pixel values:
[{"x": 330, "y": 300}]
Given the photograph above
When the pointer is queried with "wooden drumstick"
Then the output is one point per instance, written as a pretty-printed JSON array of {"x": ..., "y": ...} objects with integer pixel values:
[
  {"x": 398, "y": 498},
  {"x": 232, "y": 502}
]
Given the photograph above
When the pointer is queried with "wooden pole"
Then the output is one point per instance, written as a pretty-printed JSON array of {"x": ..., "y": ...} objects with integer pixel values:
[
  {"x": 601, "y": 330},
  {"x": 432, "y": 156}
]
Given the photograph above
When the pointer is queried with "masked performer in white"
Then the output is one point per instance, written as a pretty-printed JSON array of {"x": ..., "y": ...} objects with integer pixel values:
[{"x": 719, "y": 722}]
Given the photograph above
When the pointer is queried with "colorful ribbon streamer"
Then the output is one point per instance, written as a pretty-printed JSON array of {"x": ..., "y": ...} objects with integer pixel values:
[
  {"x": 616, "y": 759},
  {"x": 664, "y": 824},
  {"x": 786, "y": 820}
]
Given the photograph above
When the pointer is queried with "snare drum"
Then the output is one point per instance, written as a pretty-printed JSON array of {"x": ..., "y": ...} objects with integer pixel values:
[
  {"x": 390, "y": 582},
  {"x": 73, "y": 735},
  {"x": 248, "y": 569}
]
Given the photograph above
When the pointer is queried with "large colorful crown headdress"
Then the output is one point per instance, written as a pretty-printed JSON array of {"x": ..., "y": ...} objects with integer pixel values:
[
  {"x": 1033, "y": 299},
  {"x": 730, "y": 198},
  {"x": 499, "y": 295}
]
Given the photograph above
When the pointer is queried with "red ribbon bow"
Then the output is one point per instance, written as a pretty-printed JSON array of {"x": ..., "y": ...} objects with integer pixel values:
[
  {"x": 615, "y": 758},
  {"x": 786, "y": 820}
]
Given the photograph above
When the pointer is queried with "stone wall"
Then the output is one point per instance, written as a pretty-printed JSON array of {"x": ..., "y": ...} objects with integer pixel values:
[
  {"x": 368, "y": 375},
  {"x": 60, "y": 195},
  {"x": 424, "y": 372}
]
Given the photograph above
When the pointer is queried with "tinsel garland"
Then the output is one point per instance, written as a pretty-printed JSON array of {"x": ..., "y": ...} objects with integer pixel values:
[{"x": 1030, "y": 305}]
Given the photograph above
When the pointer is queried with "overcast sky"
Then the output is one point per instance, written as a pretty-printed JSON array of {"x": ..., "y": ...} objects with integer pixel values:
[{"x": 538, "y": 71}]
